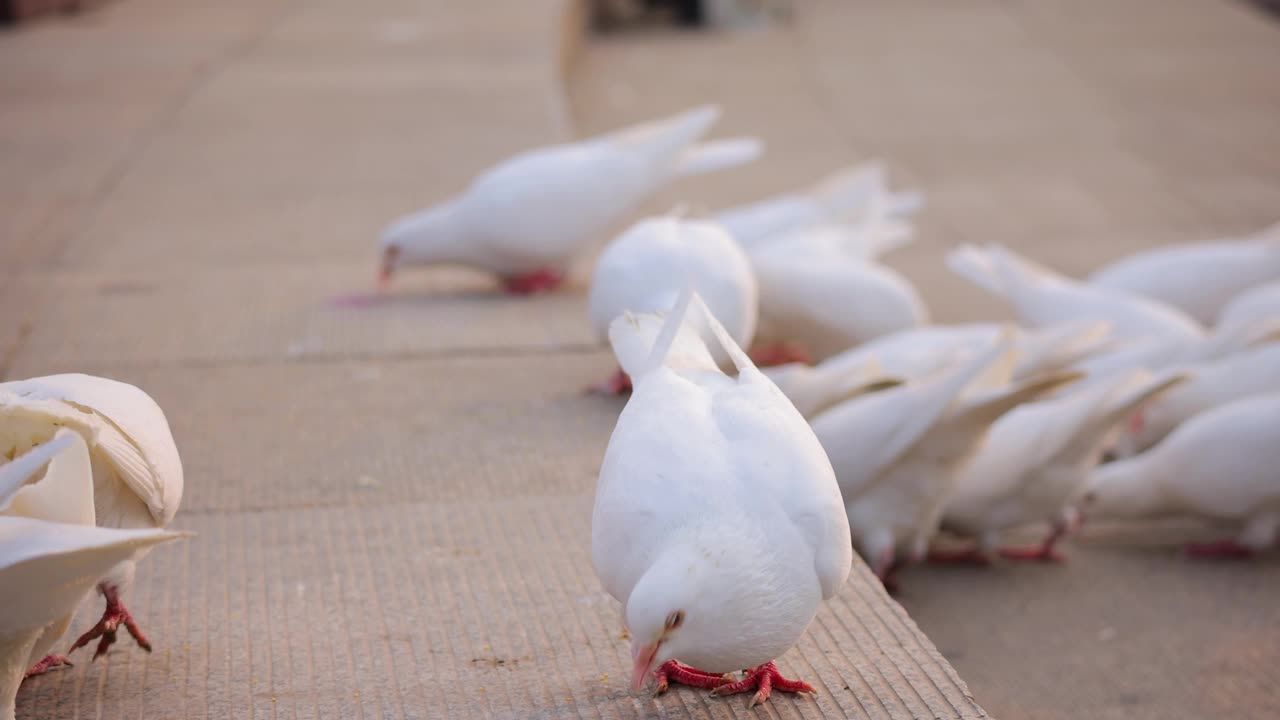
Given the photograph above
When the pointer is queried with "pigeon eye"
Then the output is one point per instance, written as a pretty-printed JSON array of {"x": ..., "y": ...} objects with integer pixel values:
[{"x": 675, "y": 620}]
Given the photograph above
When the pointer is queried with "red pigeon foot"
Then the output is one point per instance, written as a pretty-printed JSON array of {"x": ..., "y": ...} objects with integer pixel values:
[
  {"x": 763, "y": 680},
  {"x": 673, "y": 672},
  {"x": 534, "y": 282},
  {"x": 619, "y": 383},
  {"x": 1229, "y": 549},
  {"x": 48, "y": 663},
  {"x": 113, "y": 616}
]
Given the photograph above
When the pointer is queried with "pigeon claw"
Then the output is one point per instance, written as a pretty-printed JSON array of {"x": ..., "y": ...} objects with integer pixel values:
[
  {"x": 968, "y": 556},
  {"x": 48, "y": 663},
  {"x": 534, "y": 282},
  {"x": 112, "y": 618},
  {"x": 780, "y": 354},
  {"x": 1225, "y": 549},
  {"x": 619, "y": 383},
  {"x": 763, "y": 680},
  {"x": 1040, "y": 553},
  {"x": 673, "y": 672},
  {"x": 1045, "y": 551}
]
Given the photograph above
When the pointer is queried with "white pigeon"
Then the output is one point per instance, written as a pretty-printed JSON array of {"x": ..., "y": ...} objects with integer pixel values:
[
  {"x": 1040, "y": 296},
  {"x": 646, "y": 267},
  {"x": 822, "y": 292},
  {"x": 896, "y": 452},
  {"x": 47, "y": 568},
  {"x": 1258, "y": 304},
  {"x": 137, "y": 474},
  {"x": 841, "y": 198},
  {"x": 1163, "y": 352},
  {"x": 1197, "y": 278},
  {"x": 1035, "y": 459},
  {"x": 526, "y": 219},
  {"x": 718, "y": 523},
  {"x": 1251, "y": 372},
  {"x": 922, "y": 351},
  {"x": 1220, "y": 465}
]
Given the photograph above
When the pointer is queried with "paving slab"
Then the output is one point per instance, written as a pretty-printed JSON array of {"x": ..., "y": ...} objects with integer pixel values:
[
  {"x": 281, "y": 312},
  {"x": 430, "y": 610}
]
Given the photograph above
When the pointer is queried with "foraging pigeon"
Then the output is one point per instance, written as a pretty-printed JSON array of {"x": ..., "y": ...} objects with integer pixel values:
[
  {"x": 47, "y": 568},
  {"x": 645, "y": 268},
  {"x": 1035, "y": 459},
  {"x": 527, "y": 218},
  {"x": 137, "y": 474},
  {"x": 718, "y": 523},
  {"x": 1197, "y": 278},
  {"x": 1220, "y": 465}
]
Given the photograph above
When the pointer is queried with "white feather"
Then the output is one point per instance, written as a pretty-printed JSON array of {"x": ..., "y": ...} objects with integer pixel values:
[
  {"x": 1040, "y": 296},
  {"x": 1198, "y": 278}
]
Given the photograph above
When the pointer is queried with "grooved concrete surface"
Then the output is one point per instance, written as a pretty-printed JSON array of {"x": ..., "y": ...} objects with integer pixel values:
[
  {"x": 392, "y": 502},
  {"x": 1076, "y": 132}
]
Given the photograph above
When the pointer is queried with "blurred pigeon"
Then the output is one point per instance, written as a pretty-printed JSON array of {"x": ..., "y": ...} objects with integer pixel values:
[
  {"x": 897, "y": 452},
  {"x": 1257, "y": 304},
  {"x": 1034, "y": 461},
  {"x": 1220, "y": 465},
  {"x": 46, "y": 568},
  {"x": 919, "y": 352},
  {"x": 822, "y": 292},
  {"x": 527, "y": 218},
  {"x": 1249, "y": 373},
  {"x": 1197, "y": 278},
  {"x": 718, "y": 522},
  {"x": 137, "y": 474},
  {"x": 1040, "y": 296},
  {"x": 841, "y": 198},
  {"x": 645, "y": 269}
]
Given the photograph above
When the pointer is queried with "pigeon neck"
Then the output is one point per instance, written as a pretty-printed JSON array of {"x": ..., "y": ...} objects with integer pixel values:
[
  {"x": 1130, "y": 488},
  {"x": 437, "y": 235}
]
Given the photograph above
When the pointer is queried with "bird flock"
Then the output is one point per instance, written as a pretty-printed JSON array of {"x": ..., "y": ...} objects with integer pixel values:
[{"x": 790, "y": 404}]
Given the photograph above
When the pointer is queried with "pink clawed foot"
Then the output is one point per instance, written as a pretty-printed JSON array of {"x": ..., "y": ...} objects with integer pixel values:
[
  {"x": 619, "y": 383},
  {"x": 1227, "y": 549},
  {"x": 1045, "y": 551},
  {"x": 780, "y": 354},
  {"x": 48, "y": 663},
  {"x": 763, "y": 680},
  {"x": 886, "y": 568},
  {"x": 1040, "y": 553},
  {"x": 673, "y": 672},
  {"x": 534, "y": 282},
  {"x": 115, "y": 615},
  {"x": 968, "y": 556}
]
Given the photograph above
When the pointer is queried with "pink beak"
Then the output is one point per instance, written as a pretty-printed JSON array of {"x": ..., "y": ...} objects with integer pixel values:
[
  {"x": 389, "y": 256},
  {"x": 643, "y": 656}
]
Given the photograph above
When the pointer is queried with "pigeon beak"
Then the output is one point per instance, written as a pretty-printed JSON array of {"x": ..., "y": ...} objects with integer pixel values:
[
  {"x": 643, "y": 656},
  {"x": 390, "y": 255}
]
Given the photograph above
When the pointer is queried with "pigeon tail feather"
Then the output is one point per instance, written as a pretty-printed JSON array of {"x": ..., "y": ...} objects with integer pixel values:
[
  {"x": 718, "y": 155},
  {"x": 16, "y": 474}
]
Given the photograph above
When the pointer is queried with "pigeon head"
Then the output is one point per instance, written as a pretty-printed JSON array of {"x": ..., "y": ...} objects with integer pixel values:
[
  {"x": 681, "y": 607},
  {"x": 433, "y": 235},
  {"x": 1121, "y": 488}
]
